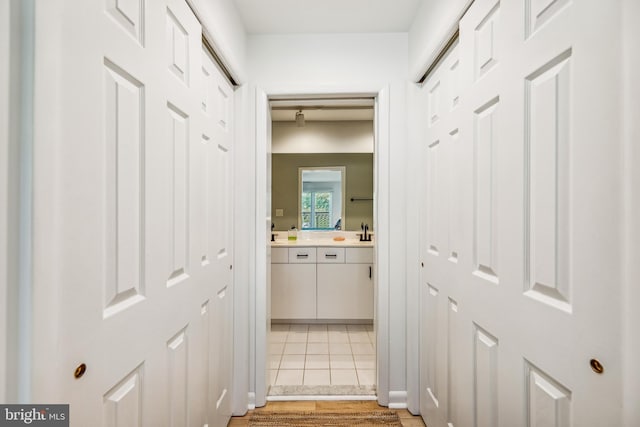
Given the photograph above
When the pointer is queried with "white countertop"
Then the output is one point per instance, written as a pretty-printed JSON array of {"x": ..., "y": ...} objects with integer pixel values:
[{"x": 312, "y": 243}]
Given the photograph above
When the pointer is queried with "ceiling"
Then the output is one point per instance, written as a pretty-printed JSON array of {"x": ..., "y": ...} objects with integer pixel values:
[
  {"x": 324, "y": 115},
  {"x": 327, "y": 109},
  {"x": 327, "y": 16}
]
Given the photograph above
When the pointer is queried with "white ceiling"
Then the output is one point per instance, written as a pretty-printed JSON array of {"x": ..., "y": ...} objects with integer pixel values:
[
  {"x": 324, "y": 115},
  {"x": 327, "y": 16},
  {"x": 327, "y": 109}
]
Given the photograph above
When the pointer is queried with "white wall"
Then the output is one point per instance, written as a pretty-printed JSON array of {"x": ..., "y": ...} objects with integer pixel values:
[
  {"x": 631, "y": 88},
  {"x": 431, "y": 27},
  {"x": 323, "y": 137},
  {"x": 297, "y": 64},
  {"x": 225, "y": 30}
]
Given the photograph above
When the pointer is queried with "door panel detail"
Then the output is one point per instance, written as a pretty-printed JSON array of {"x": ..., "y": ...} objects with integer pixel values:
[
  {"x": 129, "y": 14},
  {"x": 548, "y": 402},
  {"x": 202, "y": 371},
  {"x": 206, "y": 93},
  {"x": 123, "y": 403},
  {"x": 485, "y": 367},
  {"x": 548, "y": 153},
  {"x": 432, "y": 355},
  {"x": 434, "y": 103},
  {"x": 454, "y": 88},
  {"x": 486, "y": 56},
  {"x": 223, "y": 202},
  {"x": 206, "y": 202},
  {"x": 124, "y": 167},
  {"x": 486, "y": 196},
  {"x": 452, "y": 392},
  {"x": 179, "y": 207},
  {"x": 434, "y": 227},
  {"x": 178, "y": 358},
  {"x": 539, "y": 12},
  {"x": 178, "y": 48},
  {"x": 453, "y": 196},
  {"x": 223, "y": 108}
]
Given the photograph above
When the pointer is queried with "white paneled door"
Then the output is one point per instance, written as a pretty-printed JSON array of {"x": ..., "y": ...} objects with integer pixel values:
[
  {"x": 521, "y": 277},
  {"x": 133, "y": 216}
]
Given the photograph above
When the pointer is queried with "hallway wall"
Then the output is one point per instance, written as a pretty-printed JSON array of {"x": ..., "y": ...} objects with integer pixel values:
[
  {"x": 323, "y": 137},
  {"x": 302, "y": 63}
]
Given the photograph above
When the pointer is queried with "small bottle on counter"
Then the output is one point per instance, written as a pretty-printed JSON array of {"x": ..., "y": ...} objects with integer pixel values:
[{"x": 293, "y": 233}]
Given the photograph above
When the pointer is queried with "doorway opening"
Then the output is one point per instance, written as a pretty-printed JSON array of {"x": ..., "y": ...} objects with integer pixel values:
[{"x": 322, "y": 335}]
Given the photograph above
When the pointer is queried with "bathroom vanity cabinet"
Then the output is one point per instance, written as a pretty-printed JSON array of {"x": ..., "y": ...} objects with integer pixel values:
[{"x": 325, "y": 283}]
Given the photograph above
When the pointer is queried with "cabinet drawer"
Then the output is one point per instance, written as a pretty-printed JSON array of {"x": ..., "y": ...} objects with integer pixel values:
[
  {"x": 359, "y": 255},
  {"x": 302, "y": 255},
  {"x": 279, "y": 255},
  {"x": 330, "y": 255}
]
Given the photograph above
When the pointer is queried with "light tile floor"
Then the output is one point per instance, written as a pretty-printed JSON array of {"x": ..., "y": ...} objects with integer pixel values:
[{"x": 320, "y": 354}]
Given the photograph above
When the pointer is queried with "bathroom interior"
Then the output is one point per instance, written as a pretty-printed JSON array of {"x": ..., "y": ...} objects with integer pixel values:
[{"x": 322, "y": 340}]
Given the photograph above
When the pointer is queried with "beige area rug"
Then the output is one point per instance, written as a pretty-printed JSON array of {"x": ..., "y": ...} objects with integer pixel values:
[
  {"x": 322, "y": 390},
  {"x": 328, "y": 419}
]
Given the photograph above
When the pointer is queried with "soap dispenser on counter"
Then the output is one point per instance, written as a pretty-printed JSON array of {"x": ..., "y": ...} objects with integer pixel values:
[{"x": 293, "y": 233}]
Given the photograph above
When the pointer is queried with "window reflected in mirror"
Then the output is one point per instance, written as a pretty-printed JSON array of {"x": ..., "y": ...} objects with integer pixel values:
[{"x": 321, "y": 198}]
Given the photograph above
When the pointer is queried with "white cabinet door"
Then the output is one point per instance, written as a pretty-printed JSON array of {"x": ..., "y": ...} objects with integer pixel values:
[
  {"x": 293, "y": 291},
  {"x": 345, "y": 291},
  {"x": 521, "y": 246}
]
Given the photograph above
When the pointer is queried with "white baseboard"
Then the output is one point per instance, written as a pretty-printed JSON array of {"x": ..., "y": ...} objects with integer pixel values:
[{"x": 397, "y": 400}]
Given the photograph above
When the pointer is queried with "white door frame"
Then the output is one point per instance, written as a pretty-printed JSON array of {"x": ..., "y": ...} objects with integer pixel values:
[{"x": 381, "y": 226}]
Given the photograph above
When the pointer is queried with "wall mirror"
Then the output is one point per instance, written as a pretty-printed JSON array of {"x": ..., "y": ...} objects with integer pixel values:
[
  {"x": 321, "y": 197},
  {"x": 333, "y": 143}
]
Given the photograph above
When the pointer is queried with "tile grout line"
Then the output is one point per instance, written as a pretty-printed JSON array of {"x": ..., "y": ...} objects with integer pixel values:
[{"x": 354, "y": 359}]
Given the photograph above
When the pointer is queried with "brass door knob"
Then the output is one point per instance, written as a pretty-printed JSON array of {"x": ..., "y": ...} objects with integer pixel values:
[
  {"x": 80, "y": 370},
  {"x": 596, "y": 366}
]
